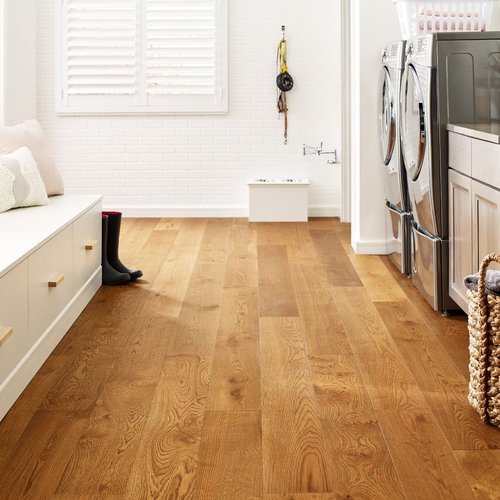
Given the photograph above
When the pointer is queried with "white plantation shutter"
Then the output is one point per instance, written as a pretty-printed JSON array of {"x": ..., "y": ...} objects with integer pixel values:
[
  {"x": 99, "y": 49},
  {"x": 181, "y": 47},
  {"x": 142, "y": 56}
]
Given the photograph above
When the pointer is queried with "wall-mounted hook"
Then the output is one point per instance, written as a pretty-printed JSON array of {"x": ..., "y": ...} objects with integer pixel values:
[{"x": 283, "y": 32}]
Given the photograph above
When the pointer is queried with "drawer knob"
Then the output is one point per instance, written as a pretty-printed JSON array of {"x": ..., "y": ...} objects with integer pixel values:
[
  {"x": 56, "y": 281},
  {"x": 91, "y": 245},
  {"x": 5, "y": 333}
]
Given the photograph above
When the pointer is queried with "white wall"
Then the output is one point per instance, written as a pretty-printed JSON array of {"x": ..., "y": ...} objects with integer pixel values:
[
  {"x": 374, "y": 24},
  {"x": 185, "y": 165},
  {"x": 17, "y": 60},
  {"x": 495, "y": 21}
]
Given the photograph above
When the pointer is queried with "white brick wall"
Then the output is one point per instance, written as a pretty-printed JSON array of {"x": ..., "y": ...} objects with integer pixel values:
[{"x": 198, "y": 165}]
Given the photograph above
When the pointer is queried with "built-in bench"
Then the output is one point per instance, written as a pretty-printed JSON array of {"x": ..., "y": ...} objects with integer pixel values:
[{"x": 50, "y": 268}]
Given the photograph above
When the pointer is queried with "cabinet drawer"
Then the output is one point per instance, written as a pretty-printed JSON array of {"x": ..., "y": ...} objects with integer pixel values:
[
  {"x": 86, "y": 246},
  {"x": 14, "y": 341},
  {"x": 460, "y": 153},
  {"x": 50, "y": 281},
  {"x": 486, "y": 162}
]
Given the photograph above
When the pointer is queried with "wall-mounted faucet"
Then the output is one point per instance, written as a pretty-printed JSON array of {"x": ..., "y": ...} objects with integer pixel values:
[
  {"x": 311, "y": 150},
  {"x": 318, "y": 150}
]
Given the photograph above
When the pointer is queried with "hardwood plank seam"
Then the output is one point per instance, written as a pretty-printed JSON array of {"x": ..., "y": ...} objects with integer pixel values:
[
  {"x": 146, "y": 419},
  {"x": 452, "y": 412},
  {"x": 232, "y": 412},
  {"x": 432, "y": 333},
  {"x": 464, "y": 472},
  {"x": 263, "y": 492},
  {"x": 363, "y": 377},
  {"x": 261, "y": 395},
  {"x": 445, "y": 440},
  {"x": 203, "y": 425},
  {"x": 313, "y": 406},
  {"x": 192, "y": 264},
  {"x": 406, "y": 286}
]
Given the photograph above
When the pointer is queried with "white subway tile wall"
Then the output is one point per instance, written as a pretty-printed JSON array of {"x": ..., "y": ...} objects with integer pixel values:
[{"x": 203, "y": 162}]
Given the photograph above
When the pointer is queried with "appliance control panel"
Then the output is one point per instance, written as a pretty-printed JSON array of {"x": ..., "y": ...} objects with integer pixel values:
[
  {"x": 421, "y": 50},
  {"x": 393, "y": 55}
]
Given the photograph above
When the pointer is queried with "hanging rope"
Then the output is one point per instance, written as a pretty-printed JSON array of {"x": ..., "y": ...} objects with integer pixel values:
[{"x": 284, "y": 82}]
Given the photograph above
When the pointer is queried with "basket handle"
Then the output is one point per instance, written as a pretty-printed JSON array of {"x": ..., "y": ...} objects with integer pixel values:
[{"x": 484, "y": 355}]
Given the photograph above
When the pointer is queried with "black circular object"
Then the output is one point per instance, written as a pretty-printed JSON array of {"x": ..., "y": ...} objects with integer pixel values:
[{"x": 284, "y": 81}]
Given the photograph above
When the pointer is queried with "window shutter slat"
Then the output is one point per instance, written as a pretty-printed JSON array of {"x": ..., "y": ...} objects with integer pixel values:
[
  {"x": 101, "y": 47},
  {"x": 141, "y": 56},
  {"x": 181, "y": 51}
]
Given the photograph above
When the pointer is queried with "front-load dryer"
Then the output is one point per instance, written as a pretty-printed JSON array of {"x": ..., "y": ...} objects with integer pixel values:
[
  {"x": 448, "y": 78},
  {"x": 396, "y": 188}
]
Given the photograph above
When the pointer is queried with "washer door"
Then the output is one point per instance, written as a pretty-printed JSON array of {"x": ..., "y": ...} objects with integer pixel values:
[
  {"x": 387, "y": 116},
  {"x": 415, "y": 144},
  {"x": 413, "y": 131}
]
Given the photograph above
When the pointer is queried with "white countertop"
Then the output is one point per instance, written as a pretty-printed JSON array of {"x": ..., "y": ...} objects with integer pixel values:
[
  {"x": 23, "y": 230},
  {"x": 484, "y": 131}
]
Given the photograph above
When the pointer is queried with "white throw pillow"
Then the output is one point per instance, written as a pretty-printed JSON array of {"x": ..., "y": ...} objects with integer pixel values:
[
  {"x": 7, "y": 178},
  {"x": 21, "y": 184},
  {"x": 30, "y": 134}
]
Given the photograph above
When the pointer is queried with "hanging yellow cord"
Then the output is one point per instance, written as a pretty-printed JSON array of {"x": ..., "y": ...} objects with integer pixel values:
[
  {"x": 282, "y": 56},
  {"x": 281, "y": 104}
]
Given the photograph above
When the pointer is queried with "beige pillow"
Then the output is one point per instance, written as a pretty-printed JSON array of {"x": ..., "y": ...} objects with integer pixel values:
[
  {"x": 30, "y": 134},
  {"x": 20, "y": 182}
]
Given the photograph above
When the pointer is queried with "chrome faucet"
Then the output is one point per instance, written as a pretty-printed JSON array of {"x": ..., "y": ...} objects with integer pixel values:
[{"x": 318, "y": 150}]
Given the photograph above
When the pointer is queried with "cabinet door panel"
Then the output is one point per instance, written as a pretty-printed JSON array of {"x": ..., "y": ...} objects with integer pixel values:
[
  {"x": 14, "y": 341},
  {"x": 460, "y": 235},
  {"x": 50, "y": 281},
  {"x": 86, "y": 246},
  {"x": 486, "y": 223}
]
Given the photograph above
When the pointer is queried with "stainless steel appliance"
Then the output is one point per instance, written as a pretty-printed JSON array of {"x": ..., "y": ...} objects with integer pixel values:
[
  {"x": 448, "y": 78},
  {"x": 396, "y": 187}
]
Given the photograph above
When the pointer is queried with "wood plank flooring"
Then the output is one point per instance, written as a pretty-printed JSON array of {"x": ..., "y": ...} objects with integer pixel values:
[{"x": 253, "y": 361}]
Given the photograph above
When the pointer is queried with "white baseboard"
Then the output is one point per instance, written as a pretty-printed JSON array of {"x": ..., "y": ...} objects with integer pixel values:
[
  {"x": 151, "y": 211},
  {"x": 324, "y": 211},
  {"x": 381, "y": 247},
  {"x": 167, "y": 212},
  {"x": 27, "y": 368}
]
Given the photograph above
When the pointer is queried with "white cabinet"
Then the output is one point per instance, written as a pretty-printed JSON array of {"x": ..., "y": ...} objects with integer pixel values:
[
  {"x": 86, "y": 246},
  {"x": 50, "y": 281},
  {"x": 459, "y": 199},
  {"x": 14, "y": 341},
  {"x": 50, "y": 268},
  {"x": 460, "y": 153},
  {"x": 474, "y": 208},
  {"x": 486, "y": 223}
]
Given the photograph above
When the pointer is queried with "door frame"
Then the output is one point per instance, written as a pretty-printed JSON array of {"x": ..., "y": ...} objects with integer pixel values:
[{"x": 346, "y": 111}]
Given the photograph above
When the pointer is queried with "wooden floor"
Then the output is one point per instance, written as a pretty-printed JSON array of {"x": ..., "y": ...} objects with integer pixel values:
[{"x": 253, "y": 361}]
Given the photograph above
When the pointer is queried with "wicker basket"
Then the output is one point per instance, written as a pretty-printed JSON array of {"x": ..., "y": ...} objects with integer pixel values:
[{"x": 484, "y": 348}]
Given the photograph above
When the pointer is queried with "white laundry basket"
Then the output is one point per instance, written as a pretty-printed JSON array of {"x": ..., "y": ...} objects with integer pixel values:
[{"x": 418, "y": 17}]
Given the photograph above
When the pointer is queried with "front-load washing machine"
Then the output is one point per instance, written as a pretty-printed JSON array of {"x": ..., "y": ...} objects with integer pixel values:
[
  {"x": 448, "y": 78},
  {"x": 396, "y": 188}
]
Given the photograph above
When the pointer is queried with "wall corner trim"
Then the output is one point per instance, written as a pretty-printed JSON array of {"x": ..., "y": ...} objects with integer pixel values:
[{"x": 380, "y": 247}]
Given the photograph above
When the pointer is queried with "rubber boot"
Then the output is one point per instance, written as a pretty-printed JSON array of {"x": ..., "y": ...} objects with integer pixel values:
[
  {"x": 114, "y": 224},
  {"x": 110, "y": 276}
]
